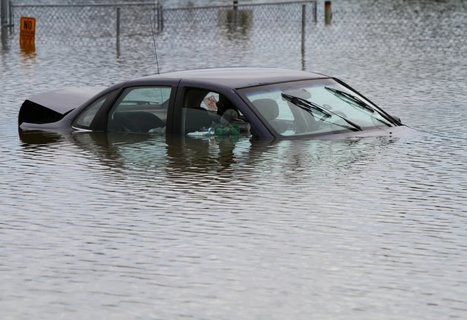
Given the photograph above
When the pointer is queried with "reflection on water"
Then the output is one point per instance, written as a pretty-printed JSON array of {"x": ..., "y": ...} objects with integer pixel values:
[
  {"x": 200, "y": 155},
  {"x": 131, "y": 226}
]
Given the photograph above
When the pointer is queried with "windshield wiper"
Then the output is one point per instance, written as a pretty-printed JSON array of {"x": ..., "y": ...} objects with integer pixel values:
[
  {"x": 305, "y": 104},
  {"x": 352, "y": 98},
  {"x": 310, "y": 106},
  {"x": 357, "y": 102}
]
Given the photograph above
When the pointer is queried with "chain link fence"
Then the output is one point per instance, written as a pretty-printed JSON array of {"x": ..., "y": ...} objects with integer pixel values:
[
  {"x": 130, "y": 23},
  {"x": 263, "y": 30}
]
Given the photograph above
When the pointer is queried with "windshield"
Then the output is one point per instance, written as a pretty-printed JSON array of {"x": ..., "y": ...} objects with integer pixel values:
[{"x": 314, "y": 107}]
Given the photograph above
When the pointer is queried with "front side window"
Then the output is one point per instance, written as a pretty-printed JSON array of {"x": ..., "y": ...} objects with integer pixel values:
[
  {"x": 207, "y": 113},
  {"x": 140, "y": 110},
  {"x": 314, "y": 107}
]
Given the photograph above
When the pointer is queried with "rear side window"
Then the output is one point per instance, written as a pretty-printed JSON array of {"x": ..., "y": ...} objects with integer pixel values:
[
  {"x": 86, "y": 117},
  {"x": 140, "y": 110}
]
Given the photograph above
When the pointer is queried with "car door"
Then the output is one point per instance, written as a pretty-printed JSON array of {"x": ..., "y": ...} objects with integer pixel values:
[
  {"x": 204, "y": 110},
  {"x": 143, "y": 107},
  {"x": 140, "y": 109}
]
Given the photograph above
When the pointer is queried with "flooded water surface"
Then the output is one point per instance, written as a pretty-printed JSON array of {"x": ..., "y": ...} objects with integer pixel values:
[{"x": 102, "y": 226}]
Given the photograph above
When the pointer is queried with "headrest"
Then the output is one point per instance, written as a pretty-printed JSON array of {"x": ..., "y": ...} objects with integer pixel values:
[{"x": 268, "y": 108}]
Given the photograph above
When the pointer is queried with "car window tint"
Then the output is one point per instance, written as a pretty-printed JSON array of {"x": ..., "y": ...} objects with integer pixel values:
[
  {"x": 86, "y": 117},
  {"x": 140, "y": 110},
  {"x": 208, "y": 112}
]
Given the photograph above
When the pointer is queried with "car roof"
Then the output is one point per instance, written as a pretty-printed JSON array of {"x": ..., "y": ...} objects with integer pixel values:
[{"x": 239, "y": 77}]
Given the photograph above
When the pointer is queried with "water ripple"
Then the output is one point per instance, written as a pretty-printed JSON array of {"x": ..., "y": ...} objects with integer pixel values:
[{"x": 97, "y": 226}]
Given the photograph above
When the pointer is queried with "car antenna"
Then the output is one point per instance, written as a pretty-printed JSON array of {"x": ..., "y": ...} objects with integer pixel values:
[{"x": 157, "y": 7}]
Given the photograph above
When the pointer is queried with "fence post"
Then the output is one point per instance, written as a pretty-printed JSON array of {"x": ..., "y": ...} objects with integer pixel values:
[
  {"x": 327, "y": 12},
  {"x": 4, "y": 23},
  {"x": 303, "y": 35},
  {"x": 4, "y": 12},
  {"x": 160, "y": 18},
  {"x": 315, "y": 11},
  {"x": 117, "y": 40},
  {"x": 10, "y": 14},
  {"x": 235, "y": 12}
]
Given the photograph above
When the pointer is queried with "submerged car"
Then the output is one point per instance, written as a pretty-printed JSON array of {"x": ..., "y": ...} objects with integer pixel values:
[{"x": 266, "y": 103}]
